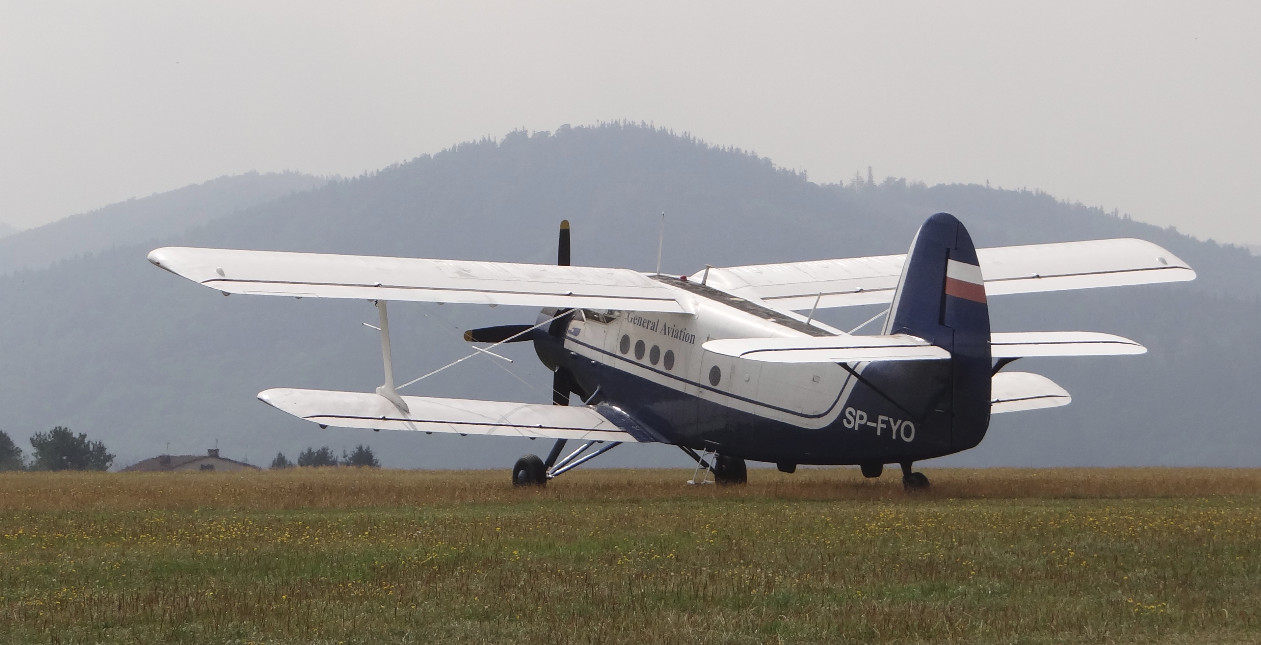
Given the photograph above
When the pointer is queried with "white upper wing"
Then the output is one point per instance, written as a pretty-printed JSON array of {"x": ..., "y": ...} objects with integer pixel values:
[
  {"x": 1007, "y": 269},
  {"x": 460, "y": 416},
  {"x": 319, "y": 275}
]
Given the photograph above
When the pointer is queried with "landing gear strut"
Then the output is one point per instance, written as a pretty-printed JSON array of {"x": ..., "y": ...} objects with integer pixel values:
[
  {"x": 532, "y": 471},
  {"x": 913, "y": 481}
]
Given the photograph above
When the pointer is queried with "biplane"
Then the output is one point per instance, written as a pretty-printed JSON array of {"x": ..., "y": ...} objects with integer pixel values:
[{"x": 729, "y": 364}]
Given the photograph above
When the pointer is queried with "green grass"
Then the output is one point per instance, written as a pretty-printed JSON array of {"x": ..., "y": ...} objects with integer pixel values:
[{"x": 330, "y": 556}]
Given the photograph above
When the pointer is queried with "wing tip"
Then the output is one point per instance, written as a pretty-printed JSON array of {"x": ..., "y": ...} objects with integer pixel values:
[{"x": 157, "y": 257}]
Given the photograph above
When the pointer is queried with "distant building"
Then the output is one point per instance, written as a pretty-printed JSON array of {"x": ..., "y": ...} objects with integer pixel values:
[{"x": 209, "y": 461}]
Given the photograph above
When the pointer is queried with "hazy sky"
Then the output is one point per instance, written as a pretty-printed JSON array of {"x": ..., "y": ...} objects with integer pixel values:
[{"x": 1148, "y": 107}]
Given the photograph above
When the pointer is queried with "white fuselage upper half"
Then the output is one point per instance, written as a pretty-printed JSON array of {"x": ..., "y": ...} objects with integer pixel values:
[{"x": 666, "y": 349}]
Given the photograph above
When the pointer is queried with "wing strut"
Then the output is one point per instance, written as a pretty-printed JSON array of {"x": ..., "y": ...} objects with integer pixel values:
[{"x": 387, "y": 389}]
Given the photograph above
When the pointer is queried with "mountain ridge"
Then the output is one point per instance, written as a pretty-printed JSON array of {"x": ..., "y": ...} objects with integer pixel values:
[{"x": 149, "y": 218}]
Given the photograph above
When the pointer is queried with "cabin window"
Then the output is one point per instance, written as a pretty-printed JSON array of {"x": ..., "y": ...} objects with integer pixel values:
[
  {"x": 715, "y": 376},
  {"x": 639, "y": 350},
  {"x": 605, "y": 316},
  {"x": 624, "y": 345},
  {"x": 669, "y": 359},
  {"x": 654, "y": 356}
]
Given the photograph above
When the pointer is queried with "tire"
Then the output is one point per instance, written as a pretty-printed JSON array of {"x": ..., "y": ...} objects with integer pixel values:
[
  {"x": 529, "y": 471},
  {"x": 915, "y": 481},
  {"x": 730, "y": 470}
]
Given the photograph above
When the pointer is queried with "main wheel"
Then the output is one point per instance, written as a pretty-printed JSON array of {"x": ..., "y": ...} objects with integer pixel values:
[
  {"x": 915, "y": 481},
  {"x": 730, "y": 470},
  {"x": 529, "y": 471}
]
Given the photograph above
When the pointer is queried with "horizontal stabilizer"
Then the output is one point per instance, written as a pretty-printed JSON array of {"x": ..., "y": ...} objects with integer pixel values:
[
  {"x": 1006, "y": 270},
  {"x": 828, "y": 349},
  {"x": 1060, "y": 343},
  {"x": 319, "y": 275},
  {"x": 902, "y": 347},
  {"x": 460, "y": 416},
  {"x": 1020, "y": 391}
]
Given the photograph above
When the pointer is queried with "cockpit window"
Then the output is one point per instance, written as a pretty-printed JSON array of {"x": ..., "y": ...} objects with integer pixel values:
[{"x": 606, "y": 316}]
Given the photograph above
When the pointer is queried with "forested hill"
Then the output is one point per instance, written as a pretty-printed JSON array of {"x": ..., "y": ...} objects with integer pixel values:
[
  {"x": 6, "y": 230},
  {"x": 151, "y": 363},
  {"x": 140, "y": 220}
]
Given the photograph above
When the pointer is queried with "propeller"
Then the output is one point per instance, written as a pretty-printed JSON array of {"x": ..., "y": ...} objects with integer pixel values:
[{"x": 562, "y": 381}]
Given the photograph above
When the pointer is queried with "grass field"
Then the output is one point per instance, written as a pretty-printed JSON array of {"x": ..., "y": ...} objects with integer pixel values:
[{"x": 615, "y": 556}]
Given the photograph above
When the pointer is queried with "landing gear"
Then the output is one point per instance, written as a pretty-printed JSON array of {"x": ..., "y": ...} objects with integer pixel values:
[
  {"x": 532, "y": 471},
  {"x": 871, "y": 471},
  {"x": 726, "y": 469},
  {"x": 529, "y": 471},
  {"x": 730, "y": 470},
  {"x": 913, "y": 481}
]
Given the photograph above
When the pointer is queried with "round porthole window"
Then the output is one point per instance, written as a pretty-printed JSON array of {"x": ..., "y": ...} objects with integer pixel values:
[
  {"x": 715, "y": 375},
  {"x": 669, "y": 359},
  {"x": 654, "y": 356},
  {"x": 625, "y": 344},
  {"x": 639, "y": 350}
]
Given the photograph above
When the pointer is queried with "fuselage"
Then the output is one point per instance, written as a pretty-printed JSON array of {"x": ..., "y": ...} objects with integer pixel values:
[{"x": 653, "y": 367}]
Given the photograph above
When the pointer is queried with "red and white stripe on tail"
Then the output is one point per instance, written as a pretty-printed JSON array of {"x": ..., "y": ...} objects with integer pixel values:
[{"x": 964, "y": 280}]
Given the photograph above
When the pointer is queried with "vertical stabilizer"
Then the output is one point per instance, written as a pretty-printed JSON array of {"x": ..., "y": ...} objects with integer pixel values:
[{"x": 941, "y": 298}]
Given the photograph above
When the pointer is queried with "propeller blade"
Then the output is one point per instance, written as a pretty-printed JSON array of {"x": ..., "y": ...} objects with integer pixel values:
[
  {"x": 498, "y": 334},
  {"x": 562, "y": 382},
  {"x": 562, "y": 249}
]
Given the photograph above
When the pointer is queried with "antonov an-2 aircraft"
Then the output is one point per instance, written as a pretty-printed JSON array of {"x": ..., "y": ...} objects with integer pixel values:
[{"x": 721, "y": 363}]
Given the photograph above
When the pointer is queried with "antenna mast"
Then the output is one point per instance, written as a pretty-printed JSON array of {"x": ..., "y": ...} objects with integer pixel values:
[{"x": 661, "y": 240}]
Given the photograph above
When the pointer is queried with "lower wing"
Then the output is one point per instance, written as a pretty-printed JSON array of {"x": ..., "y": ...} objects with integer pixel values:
[{"x": 458, "y": 416}]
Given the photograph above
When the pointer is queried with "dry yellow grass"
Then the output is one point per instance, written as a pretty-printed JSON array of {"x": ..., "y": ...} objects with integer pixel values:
[
  {"x": 366, "y": 488},
  {"x": 987, "y": 556}
]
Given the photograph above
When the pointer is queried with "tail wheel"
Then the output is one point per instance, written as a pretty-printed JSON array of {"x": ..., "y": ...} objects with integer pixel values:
[
  {"x": 915, "y": 481},
  {"x": 529, "y": 471},
  {"x": 730, "y": 470}
]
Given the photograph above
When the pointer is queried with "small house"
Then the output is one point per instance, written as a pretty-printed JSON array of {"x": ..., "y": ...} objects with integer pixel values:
[{"x": 209, "y": 461}]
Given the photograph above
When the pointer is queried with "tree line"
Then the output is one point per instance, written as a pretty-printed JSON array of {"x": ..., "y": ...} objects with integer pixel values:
[
  {"x": 57, "y": 449},
  {"x": 60, "y": 449},
  {"x": 324, "y": 456}
]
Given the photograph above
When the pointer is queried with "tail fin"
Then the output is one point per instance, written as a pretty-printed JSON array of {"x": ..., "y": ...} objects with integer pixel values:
[{"x": 941, "y": 298}]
